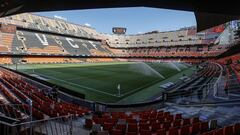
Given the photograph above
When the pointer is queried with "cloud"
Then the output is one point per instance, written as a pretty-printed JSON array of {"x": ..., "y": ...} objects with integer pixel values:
[
  {"x": 140, "y": 32},
  {"x": 60, "y": 17},
  {"x": 87, "y": 24}
]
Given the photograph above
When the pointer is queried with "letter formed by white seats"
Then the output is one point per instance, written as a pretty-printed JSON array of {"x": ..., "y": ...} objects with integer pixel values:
[
  {"x": 93, "y": 44},
  {"x": 42, "y": 40},
  {"x": 58, "y": 41},
  {"x": 83, "y": 44},
  {"x": 71, "y": 42},
  {"x": 20, "y": 36}
]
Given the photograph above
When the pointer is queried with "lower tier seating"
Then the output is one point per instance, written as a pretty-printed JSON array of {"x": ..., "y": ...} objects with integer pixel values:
[
  {"x": 18, "y": 91},
  {"x": 155, "y": 123}
]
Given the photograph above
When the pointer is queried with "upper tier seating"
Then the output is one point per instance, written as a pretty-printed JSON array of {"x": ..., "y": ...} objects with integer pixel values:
[
  {"x": 4, "y": 49},
  {"x": 44, "y": 43},
  {"x": 168, "y": 52},
  {"x": 172, "y": 38},
  {"x": 6, "y": 40},
  {"x": 36, "y": 22},
  {"x": 48, "y": 49},
  {"x": 5, "y": 60}
]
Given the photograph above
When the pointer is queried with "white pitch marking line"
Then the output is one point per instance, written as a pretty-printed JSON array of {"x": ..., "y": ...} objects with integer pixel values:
[{"x": 77, "y": 85}]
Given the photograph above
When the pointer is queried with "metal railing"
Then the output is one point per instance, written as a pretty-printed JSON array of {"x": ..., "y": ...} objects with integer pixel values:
[
  {"x": 16, "y": 112},
  {"x": 52, "y": 126},
  {"x": 199, "y": 92},
  {"x": 218, "y": 84}
]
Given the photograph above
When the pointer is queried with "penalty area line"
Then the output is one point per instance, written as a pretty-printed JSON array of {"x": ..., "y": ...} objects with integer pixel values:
[{"x": 92, "y": 89}]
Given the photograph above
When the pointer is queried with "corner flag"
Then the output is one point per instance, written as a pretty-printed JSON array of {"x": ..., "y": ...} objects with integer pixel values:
[{"x": 119, "y": 90}]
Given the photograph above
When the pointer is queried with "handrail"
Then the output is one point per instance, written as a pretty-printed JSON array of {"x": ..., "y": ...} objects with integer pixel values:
[
  {"x": 219, "y": 77},
  {"x": 217, "y": 103},
  {"x": 49, "y": 119},
  {"x": 217, "y": 83}
]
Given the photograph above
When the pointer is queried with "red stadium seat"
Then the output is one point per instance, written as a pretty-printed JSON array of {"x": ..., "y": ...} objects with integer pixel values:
[
  {"x": 204, "y": 127},
  {"x": 131, "y": 133},
  {"x": 143, "y": 120},
  {"x": 144, "y": 116},
  {"x": 166, "y": 125},
  {"x": 195, "y": 120},
  {"x": 107, "y": 118},
  {"x": 131, "y": 120},
  {"x": 121, "y": 127},
  {"x": 98, "y": 120},
  {"x": 185, "y": 130},
  {"x": 132, "y": 128},
  {"x": 111, "y": 120},
  {"x": 173, "y": 131},
  {"x": 143, "y": 126},
  {"x": 153, "y": 115},
  {"x": 237, "y": 129},
  {"x": 145, "y": 132},
  {"x": 208, "y": 133},
  {"x": 177, "y": 123},
  {"x": 153, "y": 120},
  {"x": 160, "y": 114},
  {"x": 155, "y": 126},
  {"x": 178, "y": 116},
  {"x": 219, "y": 131},
  {"x": 161, "y": 132},
  {"x": 228, "y": 130},
  {"x": 88, "y": 123},
  {"x": 116, "y": 132},
  {"x": 108, "y": 127},
  {"x": 195, "y": 128},
  {"x": 160, "y": 119},
  {"x": 170, "y": 118},
  {"x": 186, "y": 122},
  {"x": 166, "y": 114}
]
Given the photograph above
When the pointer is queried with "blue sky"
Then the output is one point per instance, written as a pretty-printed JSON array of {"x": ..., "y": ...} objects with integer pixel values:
[{"x": 136, "y": 20}]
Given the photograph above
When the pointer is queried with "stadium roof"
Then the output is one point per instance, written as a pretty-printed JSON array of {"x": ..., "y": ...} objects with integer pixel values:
[{"x": 208, "y": 13}]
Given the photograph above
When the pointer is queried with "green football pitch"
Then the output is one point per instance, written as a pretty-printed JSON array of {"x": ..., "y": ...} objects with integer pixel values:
[{"x": 110, "y": 82}]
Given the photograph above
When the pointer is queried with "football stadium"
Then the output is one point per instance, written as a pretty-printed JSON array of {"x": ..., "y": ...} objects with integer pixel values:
[{"x": 59, "y": 77}]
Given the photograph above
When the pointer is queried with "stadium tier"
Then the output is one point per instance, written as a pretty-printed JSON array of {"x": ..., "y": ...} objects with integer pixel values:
[
  {"x": 181, "y": 37},
  {"x": 36, "y": 35},
  {"x": 18, "y": 91},
  {"x": 33, "y": 43},
  {"x": 155, "y": 122},
  {"x": 45, "y": 24},
  {"x": 60, "y": 78}
]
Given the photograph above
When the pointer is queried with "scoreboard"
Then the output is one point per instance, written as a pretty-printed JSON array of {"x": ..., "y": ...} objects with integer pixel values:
[{"x": 119, "y": 30}]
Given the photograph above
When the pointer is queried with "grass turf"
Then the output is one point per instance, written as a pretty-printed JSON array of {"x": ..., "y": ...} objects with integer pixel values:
[{"x": 98, "y": 81}]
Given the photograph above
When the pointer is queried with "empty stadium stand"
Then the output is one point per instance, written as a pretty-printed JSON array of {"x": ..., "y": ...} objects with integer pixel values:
[
  {"x": 32, "y": 39},
  {"x": 30, "y": 34},
  {"x": 19, "y": 91},
  {"x": 154, "y": 122}
]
